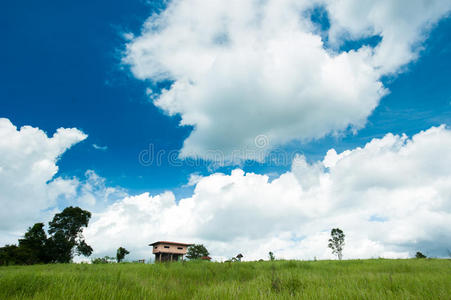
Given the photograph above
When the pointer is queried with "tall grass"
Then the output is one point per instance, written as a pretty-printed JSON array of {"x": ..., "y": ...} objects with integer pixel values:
[{"x": 354, "y": 279}]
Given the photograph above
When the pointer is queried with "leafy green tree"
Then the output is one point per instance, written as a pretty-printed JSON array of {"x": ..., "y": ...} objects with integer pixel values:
[
  {"x": 196, "y": 252},
  {"x": 337, "y": 242},
  {"x": 32, "y": 248},
  {"x": 120, "y": 254},
  {"x": 66, "y": 234},
  {"x": 35, "y": 243},
  {"x": 271, "y": 256}
]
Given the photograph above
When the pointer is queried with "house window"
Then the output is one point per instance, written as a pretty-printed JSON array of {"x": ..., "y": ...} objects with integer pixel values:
[
  {"x": 180, "y": 248},
  {"x": 156, "y": 247},
  {"x": 167, "y": 247}
]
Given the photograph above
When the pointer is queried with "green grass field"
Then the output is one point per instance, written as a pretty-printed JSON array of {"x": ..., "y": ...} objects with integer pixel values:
[{"x": 354, "y": 279}]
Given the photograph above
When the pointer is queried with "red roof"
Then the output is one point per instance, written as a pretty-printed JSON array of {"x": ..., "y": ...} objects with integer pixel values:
[
  {"x": 171, "y": 243},
  {"x": 205, "y": 257}
]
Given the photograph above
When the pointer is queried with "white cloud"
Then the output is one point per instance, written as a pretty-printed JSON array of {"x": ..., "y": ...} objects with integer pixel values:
[
  {"x": 29, "y": 190},
  {"x": 93, "y": 193},
  {"x": 391, "y": 197},
  {"x": 403, "y": 26},
  {"x": 28, "y": 164},
  {"x": 245, "y": 68},
  {"x": 97, "y": 147},
  {"x": 193, "y": 179}
]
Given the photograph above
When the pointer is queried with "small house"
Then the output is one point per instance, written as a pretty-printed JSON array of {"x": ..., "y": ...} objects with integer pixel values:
[{"x": 169, "y": 251}]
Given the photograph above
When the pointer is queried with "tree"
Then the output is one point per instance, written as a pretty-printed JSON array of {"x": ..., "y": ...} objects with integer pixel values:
[
  {"x": 9, "y": 255},
  {"x": 239, "y": 257},
  {"x": 35, "y": 244},
  {"x": 420, "y": 255},
  {"x": 271, "y": 256},
  {"x": 120, "y": 254},
  {"x": 337, "y": 242},
  {"x": 66, "y": 234},
  {"x": 196, "y": 251}
]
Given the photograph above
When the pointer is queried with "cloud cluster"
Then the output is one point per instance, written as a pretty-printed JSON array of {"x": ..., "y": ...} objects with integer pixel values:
[
  {"x": 402, "y": 25},
  {"x": 30, "y": 191},
  {"x": 392, "y": 197},
  {"x": 28, "y": 164},
  {"x": 244, "y": 68}
]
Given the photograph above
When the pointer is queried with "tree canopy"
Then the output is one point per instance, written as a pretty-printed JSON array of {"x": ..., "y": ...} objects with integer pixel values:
[
  {"x": 337, "y": 242},
  {"x": 121, "y": 253},
  {"x": 197, "y": 251},
  {"x": 66, "y": 234}
]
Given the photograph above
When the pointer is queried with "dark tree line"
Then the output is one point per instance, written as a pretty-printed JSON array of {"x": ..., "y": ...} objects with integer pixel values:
[{"x": 64, "y": 239}]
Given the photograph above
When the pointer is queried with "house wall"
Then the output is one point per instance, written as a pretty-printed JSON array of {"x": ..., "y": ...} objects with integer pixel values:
[
  {"x": 169, "y": 248},
  {"x": 163, "y": 257}
]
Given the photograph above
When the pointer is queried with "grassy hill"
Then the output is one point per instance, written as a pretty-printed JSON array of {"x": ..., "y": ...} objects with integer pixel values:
[{"x": 354, "y": 279}]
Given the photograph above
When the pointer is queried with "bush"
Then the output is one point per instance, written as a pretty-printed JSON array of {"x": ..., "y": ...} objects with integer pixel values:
[
  {"x": 420, "y": 255},
  {"x": 102, "y": 260}
]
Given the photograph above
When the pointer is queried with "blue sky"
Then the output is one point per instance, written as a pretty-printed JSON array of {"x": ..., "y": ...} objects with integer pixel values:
[{"x": 63, "y": 66}]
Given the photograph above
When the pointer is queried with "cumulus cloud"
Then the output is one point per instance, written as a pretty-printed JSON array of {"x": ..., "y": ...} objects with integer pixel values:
[
  {"x": 93, "y": 193},
  {"x": 28, "y": 164},
  {"x": 30, "y": 191},
  {"x": 244, "y": 68},
  {"x": 392, "y": 197},
  {"x": 403, "y": 26}
]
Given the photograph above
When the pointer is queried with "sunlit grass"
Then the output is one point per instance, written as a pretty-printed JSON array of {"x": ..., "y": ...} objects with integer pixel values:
[{"x": 354, "y": 279}]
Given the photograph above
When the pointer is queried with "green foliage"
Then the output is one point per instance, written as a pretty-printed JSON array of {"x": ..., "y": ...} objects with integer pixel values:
[
  {"x": 271, "y": 256},
  {"x": 32, "y": 249},
  {"x": 420, "y": 255},
  {"x": 337, "y": 242},
  {"x": 70, "y": 222},
  {"x": 14, "y": 255},
  {"x": 99, "y": 260},
  {"x": 66, "y": 234},
  {"x": 120, "y": 254},
  {"x": 350, "y": 279},
  {"x": 65, "y": 238},
  {"x": 196, "y": 252},
  {"x": 35, "y": 244},
  {"x": 102, "y": 260}
]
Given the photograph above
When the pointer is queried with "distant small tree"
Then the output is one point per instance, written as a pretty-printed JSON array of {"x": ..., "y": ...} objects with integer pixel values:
[
  {"x": 420, "y": 255},
  {"x": 120, "y": 254},
  {"x": 196, "y": 251},
  {"x": 271, "y": 256},
  {"x": 337, "y": 242}
]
